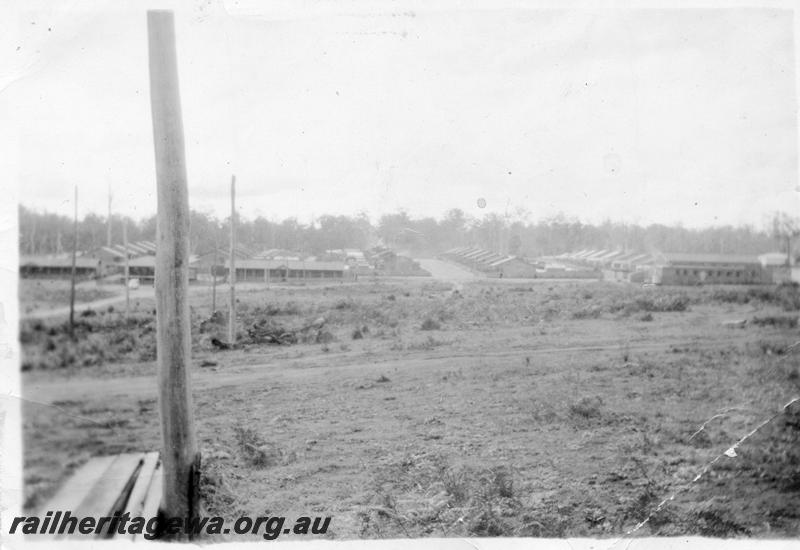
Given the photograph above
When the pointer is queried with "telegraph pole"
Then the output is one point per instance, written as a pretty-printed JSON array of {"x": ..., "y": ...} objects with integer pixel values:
[
  {"x": 232, "y": 268},
  {"x": 72, "y": 276},
  {"x": 108, "y": 231},
  {"x": 127, "y": 270},
  {"x": 179, "y": 454},
  {"x": 214, "y": 275}
]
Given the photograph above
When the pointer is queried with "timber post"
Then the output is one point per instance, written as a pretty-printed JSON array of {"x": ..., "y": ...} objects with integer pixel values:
[
  {"x": 127, "y": 271},
  {"x": 72, "y": 273},
  {"x": 179, "y": 454},
  {"x": 232, "y": 268}
]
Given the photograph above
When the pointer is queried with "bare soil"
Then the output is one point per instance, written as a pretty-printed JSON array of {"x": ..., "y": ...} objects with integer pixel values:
[
  {"x": 38, "y": 295},
  {"x": 419, "y": 408}
]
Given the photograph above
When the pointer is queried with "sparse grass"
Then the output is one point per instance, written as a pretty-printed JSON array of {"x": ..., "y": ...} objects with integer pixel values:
[
  {"x": 785, "y": 295},
  {"x": 587, "y": 408},
  {"x": 254, "y": 450},
  {"x": 409, "y": 433},
  {"x": 428, "y": 343},
  {"x": 38, "y": 294},
  {"x": 443, "y": 500}
]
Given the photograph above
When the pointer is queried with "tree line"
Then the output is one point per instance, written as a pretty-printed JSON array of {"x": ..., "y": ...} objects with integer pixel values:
[{"x": 48, "y": 233}]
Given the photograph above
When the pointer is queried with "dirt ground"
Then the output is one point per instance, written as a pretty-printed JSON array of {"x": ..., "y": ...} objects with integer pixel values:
[
  {"x": 419, "y": 408},
  {"x": 38, "y": 295}
]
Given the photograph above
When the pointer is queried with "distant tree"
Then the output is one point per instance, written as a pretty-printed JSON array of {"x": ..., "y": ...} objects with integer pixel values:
[
  {"x": 45, "y": 233},
  {"x": 784, "y": 229}
]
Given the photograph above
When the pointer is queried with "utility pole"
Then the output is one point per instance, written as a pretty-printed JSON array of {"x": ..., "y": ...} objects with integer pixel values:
[
  {"x": 127, "y": 270},
  {"x": 179, "y": 454},
  {"x": 232, "y": 268},
  {"x": 108, "y": 234},
  {"x": 214, "y": 275},
  {"x": 72, "y": 276}
]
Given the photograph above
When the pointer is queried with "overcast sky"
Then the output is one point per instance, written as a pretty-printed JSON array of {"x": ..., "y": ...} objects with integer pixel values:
[{"x": 639, "y": 115}]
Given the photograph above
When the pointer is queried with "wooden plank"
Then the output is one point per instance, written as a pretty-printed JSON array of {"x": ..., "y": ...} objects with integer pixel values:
[
  {"x": 152, "y": 500},
  {"x": 75, "y": 489},
  {"x": 179, "y": 453},
  {"x": 102, "y": 497},
  {"x": 135, "y": 503}
]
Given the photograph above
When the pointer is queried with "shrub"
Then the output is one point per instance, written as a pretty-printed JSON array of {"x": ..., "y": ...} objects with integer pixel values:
[
  {"x": 254, "y": 450},
  {"x": 586, "y": 407},
  {"x": 430, "y": 324},
  {"x": 780, "y": 321},
  {"x": 769, "y": 347},
  {"x": 729, "y": 296},
  {"x": 669, "y": 302},
  {"x": 787, "y": 295},
  {"x": 589, "y": 312}
]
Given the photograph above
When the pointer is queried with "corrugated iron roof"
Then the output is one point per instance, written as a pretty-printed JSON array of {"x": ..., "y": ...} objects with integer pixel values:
[
  {"x": 680, "y": 258},
  {"x": 291, "y": 264}
]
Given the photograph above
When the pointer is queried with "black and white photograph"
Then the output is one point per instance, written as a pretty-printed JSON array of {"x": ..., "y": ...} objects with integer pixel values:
[{"x": 450, "y": 274}]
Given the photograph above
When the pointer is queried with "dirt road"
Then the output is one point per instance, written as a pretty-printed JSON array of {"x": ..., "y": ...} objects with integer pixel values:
[
  {"x": 142, "y": 292},
  {"x": 446, "y": 271},
  {"x": 146, "y": 292},
  {"x": 311, "y": 367}
]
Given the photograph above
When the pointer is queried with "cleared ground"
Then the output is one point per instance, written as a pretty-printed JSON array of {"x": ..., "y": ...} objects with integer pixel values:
[
  {"x": 46, "y": 297},
  {"x": 408, "y": 408}
]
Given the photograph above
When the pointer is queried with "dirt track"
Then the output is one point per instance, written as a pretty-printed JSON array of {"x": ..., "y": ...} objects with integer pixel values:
[
  {"x": 310, "y": 368},
  {"x": 446, "y": 271}
]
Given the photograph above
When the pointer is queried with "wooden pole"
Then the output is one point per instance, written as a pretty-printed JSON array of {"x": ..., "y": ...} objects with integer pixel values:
[
  {"x": 108, "y": 230},
  {"x": 72, "y": 275},
  {"x": 127, "y": 270},
  {"x": 179, "y": 454},
  {"x": 232, "y": 268},
  {"x": 214, "y": 278}
]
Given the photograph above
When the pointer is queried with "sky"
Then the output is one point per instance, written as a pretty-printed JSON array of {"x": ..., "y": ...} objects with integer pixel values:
[{"x": 638, "y": 115}]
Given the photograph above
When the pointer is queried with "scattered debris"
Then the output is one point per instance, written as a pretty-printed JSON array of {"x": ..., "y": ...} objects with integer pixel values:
[
  {"x": 219, "y": 344},
  {"x": 219, "y": 454},
  {"x": 217, "y": 319},
  {"x": 265, "y": 331},
  {"x": 318, "y": 323},
  {"x": 737, "y": 323},
  {"x": 779, "y": 321}
]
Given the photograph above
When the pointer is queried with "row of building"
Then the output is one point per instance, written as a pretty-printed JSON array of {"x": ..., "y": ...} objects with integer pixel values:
[
  {"x": 99, "y": 262},
  {"x": 143, "y": 268},
  {"x": 253, "y": 266},
  {"x": 493, "y": 264},
  {"x": 385, "y": 261},
  {"x": 684, "y": 268}
]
